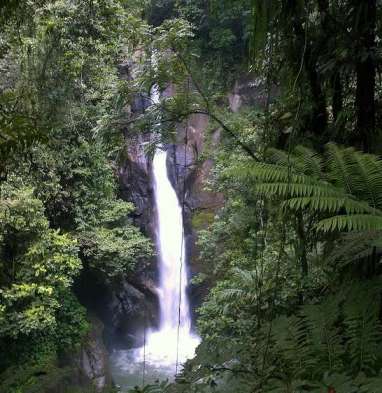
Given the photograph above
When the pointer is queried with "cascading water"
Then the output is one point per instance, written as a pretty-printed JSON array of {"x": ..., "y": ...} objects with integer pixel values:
[
  {"x": 173, "y": 343},
  {"x": 175, "y": 320}
]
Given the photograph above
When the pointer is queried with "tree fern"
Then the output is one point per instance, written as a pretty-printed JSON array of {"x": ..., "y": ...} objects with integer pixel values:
[
  {"x": 324, "y": 334},
  {"x": 303, "y": 160},
  {"x": 310, "y": 162},
  {"x": 371, "y": 385},
  {"x": 363, "y": 328},
  {"x": 299, "y": 190},
  {"x": 332, "y": 344},
  {"x": 291, "y": 343},
  {"x": 245, "y": 289},
  {"x": 356, "y": 246},
  {"x": 329, "y": 203},
  {"x": 358, "y": 173},
  {"x": 351, "y": 222},
  {"x": 340, "y": 171},
  {"x": 344, "y": 186},
  {"x": 369, "y": 186}
]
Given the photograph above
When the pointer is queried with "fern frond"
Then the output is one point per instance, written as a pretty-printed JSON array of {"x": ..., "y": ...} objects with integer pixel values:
[
  {"x": 354, "y": 222},
  {"x": 269, "y": 173},
  {"x": 302, "y": 161},
  {"x": 369, "y": 173},
  {"x": 290, "y": 338},
  {"x": 330, "y": 204},
  {"x": 311, "y": 163},
  {"x": 371, "y": 385},
  {"x": 300, "y": 190},
  {"x": 321, "y": 323},
  {"x": 245, "y": 277},
  {"x": 339, "y": 173},
  {"x": 347, "y": 185},
  {"x": 354, "y": 246},
  {"x": 230, "y": 294},
  {"x": 363, "y": 328},
  {"x": 278, "y": 157}
]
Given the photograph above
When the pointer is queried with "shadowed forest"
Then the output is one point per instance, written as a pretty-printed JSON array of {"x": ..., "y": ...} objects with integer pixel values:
[{"x": 270, "y": 113}]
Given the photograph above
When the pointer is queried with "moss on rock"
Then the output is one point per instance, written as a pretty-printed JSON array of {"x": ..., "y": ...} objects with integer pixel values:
[{"x": 201, "y": 219}]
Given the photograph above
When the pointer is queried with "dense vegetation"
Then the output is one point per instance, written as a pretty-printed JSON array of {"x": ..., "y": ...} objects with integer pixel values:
[
  {"x": 60, "y": 215},
  {"x": 293, "y": 257}
]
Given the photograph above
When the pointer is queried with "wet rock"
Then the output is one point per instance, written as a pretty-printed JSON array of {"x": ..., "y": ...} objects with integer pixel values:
[
  {"x": 252, "y": 92},
  {"x": 136, "y": 184},
  {"x": 189, "y": 172},
  {"x": 132, "y": 310},
  {"x": 124, "y": 307},
  {"x": 94, "y": 358}
]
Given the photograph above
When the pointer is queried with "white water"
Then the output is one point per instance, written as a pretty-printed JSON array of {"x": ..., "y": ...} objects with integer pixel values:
[
  {"x": 162, "y": 346},
  {"x": 173, "y": 343}
]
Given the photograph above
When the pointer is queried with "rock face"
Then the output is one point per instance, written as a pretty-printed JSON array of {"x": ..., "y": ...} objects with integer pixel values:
[
  {"x": 93, "y": 359},
  {"x": 135, "y": 171},
  {"x": 136, "y": 184},
  {"x": 189, "y": 173},
  {"x": 250, "y": 91},
  {"x": 123, "y": 307},
  {"x": 132, "y": 309},
  {"x": 190, "y": 170}
]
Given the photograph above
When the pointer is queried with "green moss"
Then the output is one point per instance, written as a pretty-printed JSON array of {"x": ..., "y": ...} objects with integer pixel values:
[{"x": 201, "y": 219}]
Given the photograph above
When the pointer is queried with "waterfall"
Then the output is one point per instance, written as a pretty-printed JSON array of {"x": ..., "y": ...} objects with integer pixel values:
[
  {"x": 174, "y": 308},
  {"x": 175, "y": 315},
  {"x": 175, "y": 318},
  {"x": 173, "y": 341}
]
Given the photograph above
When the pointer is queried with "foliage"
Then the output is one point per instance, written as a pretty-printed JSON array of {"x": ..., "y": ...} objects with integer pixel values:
[
  {"x": 72, "y": 323},
  {"x": 293, "y": 257},
  {"x": 253, "y": 321},
  {"x": 61, "y": 101},
  {"x": 37, "y": 263},
  {"x": 162, "y": 387},
  {"x": 115, "y": 252},
  {"x": 346, "y": 182}
]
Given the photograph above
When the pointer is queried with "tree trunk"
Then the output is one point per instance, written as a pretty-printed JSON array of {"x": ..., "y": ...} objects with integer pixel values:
[
  {"x": 337, "y": 103},
  {"x": 302, "y": 246},
  {"x": 329, "y": 29},
  {"x": 323, "y": 8},
  {"x": 319, "y": 114},
  {"x": 319, "y": 117},
  {"x": 365, "y": 13},
  {"x": 302, "y": 254}
]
